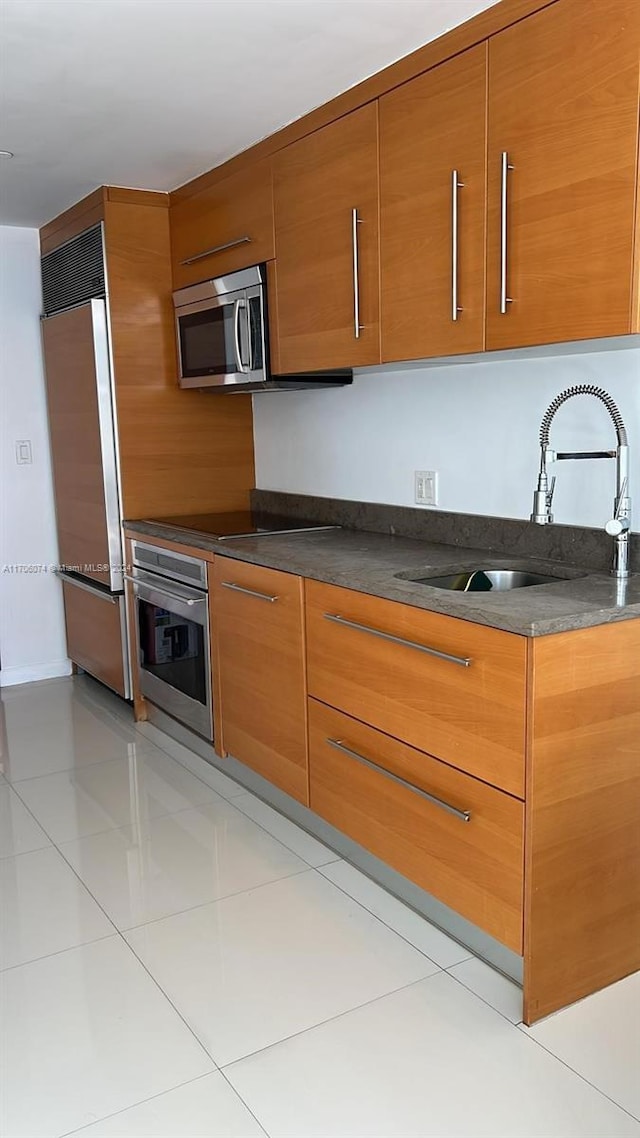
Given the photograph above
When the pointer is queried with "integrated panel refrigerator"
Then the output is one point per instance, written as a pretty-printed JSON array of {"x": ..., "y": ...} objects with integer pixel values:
[{"x": 83, "y": 437}]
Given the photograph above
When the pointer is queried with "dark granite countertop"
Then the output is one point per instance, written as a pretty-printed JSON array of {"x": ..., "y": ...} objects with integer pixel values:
[{"x": 370, "y": 563}]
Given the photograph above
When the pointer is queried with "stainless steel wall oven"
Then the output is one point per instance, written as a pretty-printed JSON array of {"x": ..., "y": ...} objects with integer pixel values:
[{"x": 171, "y": 627}]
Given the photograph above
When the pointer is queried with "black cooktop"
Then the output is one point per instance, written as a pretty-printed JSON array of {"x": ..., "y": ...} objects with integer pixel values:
[{"x": 239, "y": 523}]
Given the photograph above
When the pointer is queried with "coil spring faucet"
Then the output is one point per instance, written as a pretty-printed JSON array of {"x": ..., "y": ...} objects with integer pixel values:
[{"x": 619, "y": 525}]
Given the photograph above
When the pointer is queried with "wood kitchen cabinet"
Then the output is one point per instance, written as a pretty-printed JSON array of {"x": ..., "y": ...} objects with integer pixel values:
[
  {"x": 225, "y": 226},
  {"x": 432, "y": 211},
  {"x": 562, "y": 174},
  {"x": 535, "y": 738},
  {"x": 261, "y": 675},
  {"x": 454, "y": 835},
  {"x": 326, "y": 227},
  {"x": 449, "y": 687}
]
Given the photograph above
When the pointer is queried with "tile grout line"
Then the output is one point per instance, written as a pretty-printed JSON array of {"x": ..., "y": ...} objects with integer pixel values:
[
  {"x": 216, "y": 900},
  {"x": 521, "y": 1028},
  {"x": 151, "y": 1098},
  {"x": 252, "y": 794},
  {"x": 244, "y": 1102},
  {"x": 128, "y": 947},
  {"x": 391, "y": 928},
  {"x": 223, "y": 1067},
  {"x": 141, "y": 1102}
]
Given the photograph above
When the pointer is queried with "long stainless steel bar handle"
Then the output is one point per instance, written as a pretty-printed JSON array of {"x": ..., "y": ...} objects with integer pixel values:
[
  {"x": 338, "y": 745},
  {"x": 166, "y": 592},
  {"x": 505, "y": 166},
  {"x": 216, "y": 249},
  {"x": 355, "y": 222},
  {"x": 248, "y": 592},
  {"x": 113, "y": 600},
  {"x": 463, "y": 661},
  {"x": 455, "y": 186},
  {"x": 236, "y": 335}
]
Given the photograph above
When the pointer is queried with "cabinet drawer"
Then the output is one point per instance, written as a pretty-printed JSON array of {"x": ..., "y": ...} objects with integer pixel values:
[
  {"x": 96, "y": 636},
  {"x": 472, "y": 715},
  {"x": 258, "y": 633},
  {"x": 474, "y": 866}
]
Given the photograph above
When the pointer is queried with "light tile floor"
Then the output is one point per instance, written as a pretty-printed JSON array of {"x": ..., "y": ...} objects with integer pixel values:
[{"x": 180, "y": 961}]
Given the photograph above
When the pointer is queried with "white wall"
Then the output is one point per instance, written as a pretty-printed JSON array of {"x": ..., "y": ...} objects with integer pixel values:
[
  {"x": 476, "y": 424},
  {"x": 32, "y": 638}
]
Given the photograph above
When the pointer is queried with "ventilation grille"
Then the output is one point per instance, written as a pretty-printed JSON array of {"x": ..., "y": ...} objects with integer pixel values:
[{"x": 74, "y": 273}]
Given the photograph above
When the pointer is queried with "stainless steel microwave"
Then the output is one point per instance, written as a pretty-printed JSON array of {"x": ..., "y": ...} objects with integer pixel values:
[{"x": 223, "y": 338}]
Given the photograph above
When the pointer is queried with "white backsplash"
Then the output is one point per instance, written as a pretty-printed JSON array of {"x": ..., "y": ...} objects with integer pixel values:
[{"x": 476, "y": 424}]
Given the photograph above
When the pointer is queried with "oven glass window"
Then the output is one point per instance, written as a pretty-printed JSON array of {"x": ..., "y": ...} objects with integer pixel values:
[
  {"x": 207, "y": 342},
  {"x": 172, "y": 648}
]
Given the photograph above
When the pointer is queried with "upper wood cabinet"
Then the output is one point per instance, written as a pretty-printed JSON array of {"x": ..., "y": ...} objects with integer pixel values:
[
  {"x": 432, "y": 211},
  {"x": 562, "y": 172},
  {"x": 224, "y": 227},
  {"x": 326, "y": 222}
]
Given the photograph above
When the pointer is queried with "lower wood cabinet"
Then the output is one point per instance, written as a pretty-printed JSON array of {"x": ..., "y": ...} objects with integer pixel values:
[
  {"x": 260, "y": 671},
  {"x": 451, "y": 688},
  {"x": 95, "y": 621},
  {"x": 451, "y": 834}
]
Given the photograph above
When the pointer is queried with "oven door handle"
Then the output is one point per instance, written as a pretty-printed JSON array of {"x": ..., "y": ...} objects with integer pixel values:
[{"x": 167, "y": 592}]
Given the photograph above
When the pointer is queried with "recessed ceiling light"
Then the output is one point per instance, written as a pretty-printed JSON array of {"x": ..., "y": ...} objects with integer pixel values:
[{"x": 6, "y": 153}]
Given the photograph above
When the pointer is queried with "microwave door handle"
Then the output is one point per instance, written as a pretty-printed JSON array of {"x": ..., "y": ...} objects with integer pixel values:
[{"x": 236, "y": 335}]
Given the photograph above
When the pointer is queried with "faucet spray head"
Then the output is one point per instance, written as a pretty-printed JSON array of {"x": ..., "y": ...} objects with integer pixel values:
[{"x": 543, "y": 494}]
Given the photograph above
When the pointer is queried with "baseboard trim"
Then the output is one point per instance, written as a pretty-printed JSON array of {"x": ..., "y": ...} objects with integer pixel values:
[{"x": 30, "y": 674}]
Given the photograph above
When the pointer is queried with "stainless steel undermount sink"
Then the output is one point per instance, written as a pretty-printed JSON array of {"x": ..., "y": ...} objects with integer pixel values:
[{"x": 488, "y": 580}]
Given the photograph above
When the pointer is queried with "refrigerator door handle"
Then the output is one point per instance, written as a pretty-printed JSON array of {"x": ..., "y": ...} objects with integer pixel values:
[
  {"x": 112, "y": 598},
  {"x": 108, "y": 436}
]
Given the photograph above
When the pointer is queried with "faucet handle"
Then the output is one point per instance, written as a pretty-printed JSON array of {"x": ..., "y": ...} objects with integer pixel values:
[
  {"x": 550, "y": 493},
  {"x": 616, "y": 526}
]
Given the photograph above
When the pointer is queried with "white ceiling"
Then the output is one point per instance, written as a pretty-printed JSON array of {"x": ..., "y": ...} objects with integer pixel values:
[{"x": 150, "y": 93}]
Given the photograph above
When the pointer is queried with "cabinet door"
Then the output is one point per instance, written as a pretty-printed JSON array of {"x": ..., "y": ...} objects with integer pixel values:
[
  {"x": 225, "y": 227},
  {"x": 96, "y": 633},
  {"x": 432, "y": 211},
  {"x": 563, "y": 134},
  {"x": 326, "y": 220},
  {"x": 82, "y": 442},
  {"x": 259, "y": 650}
]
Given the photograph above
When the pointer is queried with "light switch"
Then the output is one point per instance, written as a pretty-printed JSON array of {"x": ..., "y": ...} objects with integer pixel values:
[{"x": 24, "y": 456}]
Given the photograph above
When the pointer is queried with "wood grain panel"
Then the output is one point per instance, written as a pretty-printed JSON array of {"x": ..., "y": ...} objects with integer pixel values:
[
  {"x": 473, "y": 717},
  {"x": 136, "y": 197},
  {"x": 473, "y": 867},
  {"x": 317, "y": 182},
  {"x": 180, "y": 451},
  {"x": 428, "y": 128},
  {"x": 94, "y": 635},
  {"x": 582, "y": 870},
  {"x": 85, "y": 213},
  {"x": 215, "y": 664},
  {"x": 238, "y": 206},
  {"x": 563, "y": 102},
  {"x": 473, "y": 31},
  {"x": 261, "y": 672},
  {"x": 76, "y": 450}
]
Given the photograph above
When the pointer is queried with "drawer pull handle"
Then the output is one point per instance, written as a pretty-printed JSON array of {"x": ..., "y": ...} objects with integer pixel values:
[
  {"x": 463, "y": 661},
  {"x": 338, "y": 745},
  {"x": 216, "y": 249},
  {"x": 248, "y": 592}
]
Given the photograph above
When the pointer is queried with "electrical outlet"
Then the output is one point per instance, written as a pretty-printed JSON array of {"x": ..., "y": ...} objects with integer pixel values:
[{"x": 426, "y": 487}]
